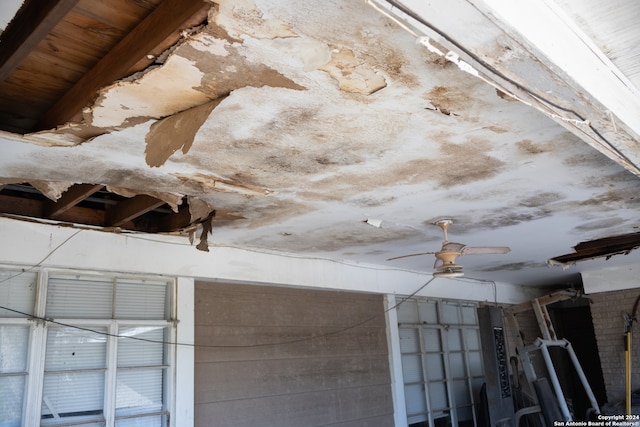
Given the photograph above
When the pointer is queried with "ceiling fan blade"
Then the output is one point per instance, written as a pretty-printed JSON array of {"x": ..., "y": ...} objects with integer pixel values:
[
  {"x": 410, "y": 255},
  {"x": 484, "y": 250}
]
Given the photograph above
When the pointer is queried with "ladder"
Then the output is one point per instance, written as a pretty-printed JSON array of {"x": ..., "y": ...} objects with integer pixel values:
[{"x": 548, "y": 339}]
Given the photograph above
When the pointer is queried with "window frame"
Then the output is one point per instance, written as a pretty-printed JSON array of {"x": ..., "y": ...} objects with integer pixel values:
[
  {"x": 449, "y": 379},
  {"x": 37, "y": 343}
]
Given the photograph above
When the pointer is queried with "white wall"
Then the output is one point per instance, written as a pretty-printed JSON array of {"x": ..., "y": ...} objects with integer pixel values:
[
  {"x": 27, "y": 244},
  {"x": 611, "y": 279},
  {"x": 185, "y": 361}
]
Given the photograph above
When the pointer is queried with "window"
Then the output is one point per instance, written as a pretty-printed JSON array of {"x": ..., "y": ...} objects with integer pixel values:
[
  {"x": 99, "y": 359},
  {"x": 441, "y": 361}
]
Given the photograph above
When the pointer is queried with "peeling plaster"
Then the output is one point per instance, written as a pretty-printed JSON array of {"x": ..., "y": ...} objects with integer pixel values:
[
  {"x": 175, "y": 133},
  {"x": 242, "y": 17},
  {"x": 447, "y": 101},
  {"x": 198, "y": 70},
  {"x": 51, "y": 189},
  {"x": 173, "y": 200},
  {"x": 159, "y": 93},
  {"x": 353, "y": 75},
  {"x": 198, "y": 209},
  {"x": 292, "y": 107},
  {"x": 208, "y": 182},
  {"x": 58, "y": 138},
  {"x": 209, "y": 44}
]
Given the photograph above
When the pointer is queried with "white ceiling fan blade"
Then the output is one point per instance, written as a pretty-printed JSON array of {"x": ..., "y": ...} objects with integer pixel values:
[
  {"x": 484, "y": 250},
  {"x": 410, "y": 255}
]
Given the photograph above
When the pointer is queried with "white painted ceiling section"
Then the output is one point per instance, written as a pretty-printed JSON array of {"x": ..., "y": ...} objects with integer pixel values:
[
  {"x": 549, "y": 54},
  {"x": 347, "y": 132},
  {"x": 8, "y": 9}
]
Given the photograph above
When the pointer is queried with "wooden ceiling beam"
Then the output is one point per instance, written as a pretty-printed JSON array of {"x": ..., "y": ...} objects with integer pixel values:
[
  {"x": 34, "y": 208},
  {"x": 70, "y": 198},
  {"x": 30, "y": 26},
  {"x": 130, "y": 209},
  {"x": 20, "y": 206},
  {"x": 166, "y": 18},
  {"x": 175, "y": 221}
]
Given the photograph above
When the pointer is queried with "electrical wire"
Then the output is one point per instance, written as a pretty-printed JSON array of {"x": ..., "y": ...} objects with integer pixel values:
[
  {"x": 139, "y": 235},
  {"x": 408, "y": 12},
  {"x": 67, "y": 325},
  {"x": 493, "y": 285},
  {"x": 170, "y": 343},
  {"x": 39, "y": 263}
]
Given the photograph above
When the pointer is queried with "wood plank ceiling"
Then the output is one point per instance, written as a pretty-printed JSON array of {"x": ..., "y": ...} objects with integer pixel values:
[{"x": 54, "y": 57}]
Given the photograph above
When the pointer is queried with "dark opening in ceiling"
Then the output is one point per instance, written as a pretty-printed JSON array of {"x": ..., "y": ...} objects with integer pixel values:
[
  {"x": 93, "y": 204},
  {"x": 598, "y": 248},
  {"x": 56, "y": 55}
]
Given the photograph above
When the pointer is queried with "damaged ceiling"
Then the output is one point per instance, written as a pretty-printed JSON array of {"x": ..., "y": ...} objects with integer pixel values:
[{"x": 341, "y": 129}]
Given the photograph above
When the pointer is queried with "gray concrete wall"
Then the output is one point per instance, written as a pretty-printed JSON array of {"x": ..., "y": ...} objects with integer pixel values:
[
  {"x": 269, "y": 356},
  {"x": 609, "y": 326}
]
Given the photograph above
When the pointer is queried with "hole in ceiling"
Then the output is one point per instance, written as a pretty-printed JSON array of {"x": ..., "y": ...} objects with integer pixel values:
[
  {"x": 598, "y": 248},
  {"x": 94, "y": 205}
]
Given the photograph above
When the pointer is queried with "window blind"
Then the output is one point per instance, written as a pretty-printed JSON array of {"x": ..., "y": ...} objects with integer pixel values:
[
  {"x": 77, "y": 297},
  {"x": 91, "y": 371},
  {"x": 18, "y": 292},
  {"x": 14, "y": 345},
  {"x": 75, "y": 366}
]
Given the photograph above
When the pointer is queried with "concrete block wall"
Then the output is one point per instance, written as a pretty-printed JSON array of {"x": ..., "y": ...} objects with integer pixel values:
[
  {"x": 257, "y": 362},
  {"x": 609, "y": 326}
]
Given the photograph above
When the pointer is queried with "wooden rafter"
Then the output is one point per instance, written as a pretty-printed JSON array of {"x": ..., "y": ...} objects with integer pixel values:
[
  {"x": 156, "y": 27},
  {"x": 604, "y": 247},
  {"x": 130, "y": 209},
  {"x": 30, "y": 26},
  {"x": 70, "y": 198},
  {"x": 87, "y": 204},
  {"x": 34, "y": 208},
  {"x": 175, "y": 221}
]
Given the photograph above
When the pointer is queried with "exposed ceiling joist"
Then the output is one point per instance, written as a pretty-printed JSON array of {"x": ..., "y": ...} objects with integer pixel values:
[
  {"x": 605, "y": 247},
  {"x": 92, "y": 204},
  {"x": 30, "y": 26},
  {"x": 34, "y": 208},
  {"x": 70, "y": 198},
  {"x": 169, "y": 16},
  {"x": 130, "y": 209}
]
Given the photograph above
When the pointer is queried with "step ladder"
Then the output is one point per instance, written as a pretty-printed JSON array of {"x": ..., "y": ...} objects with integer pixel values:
[{"x": 543, "y": 398}]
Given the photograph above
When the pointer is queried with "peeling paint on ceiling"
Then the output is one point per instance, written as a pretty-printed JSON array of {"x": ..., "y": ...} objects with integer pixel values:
[
  {"x": 302, "y": 122},
  {"x": 176, "y": 132}
]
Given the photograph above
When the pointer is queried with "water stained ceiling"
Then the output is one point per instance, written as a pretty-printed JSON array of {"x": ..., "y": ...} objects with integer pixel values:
[{"x": 336, "y": 129}]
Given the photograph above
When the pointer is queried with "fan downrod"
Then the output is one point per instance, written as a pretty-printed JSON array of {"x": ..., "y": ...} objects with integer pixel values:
[{"x": 444, "y": 225}]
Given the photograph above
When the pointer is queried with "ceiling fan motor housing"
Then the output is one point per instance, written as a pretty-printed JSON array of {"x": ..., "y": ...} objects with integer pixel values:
[{"x": 448, "y": 258}]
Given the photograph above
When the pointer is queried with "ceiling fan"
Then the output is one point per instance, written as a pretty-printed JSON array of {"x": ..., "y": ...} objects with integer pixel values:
[{"x": 445, "y": 265}]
